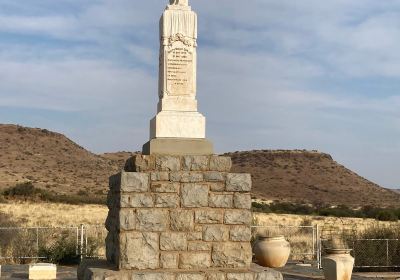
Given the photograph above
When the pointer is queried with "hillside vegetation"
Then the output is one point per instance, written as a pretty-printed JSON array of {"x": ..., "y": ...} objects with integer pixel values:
[{"x": 55, "y": 164}]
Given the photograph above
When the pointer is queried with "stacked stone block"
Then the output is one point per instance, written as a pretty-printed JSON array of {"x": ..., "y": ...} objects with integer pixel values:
[
  {"x": 180, "y": 213},
  {"x": 178, "y": 218}
]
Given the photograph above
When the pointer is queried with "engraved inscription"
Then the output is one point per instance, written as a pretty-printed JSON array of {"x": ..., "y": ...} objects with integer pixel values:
[{"x": 179, "y": 72}]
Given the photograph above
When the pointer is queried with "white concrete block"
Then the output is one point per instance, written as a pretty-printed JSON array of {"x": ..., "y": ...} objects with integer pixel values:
[
  {"x": 177, "y": 103},
  {"x": 175, "y": 124},
  {"x": 42, "y": 271}
]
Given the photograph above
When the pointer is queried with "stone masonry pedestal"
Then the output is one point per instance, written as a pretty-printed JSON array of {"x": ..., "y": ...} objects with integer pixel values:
[{"x": 178, "y": 218}]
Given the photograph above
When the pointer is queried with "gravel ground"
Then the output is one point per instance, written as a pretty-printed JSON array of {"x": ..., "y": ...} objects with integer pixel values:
[
  {"x": 293, "y": 271},
  {"x": 17, "y": 272},
  {"x": 290, "y": 272}
]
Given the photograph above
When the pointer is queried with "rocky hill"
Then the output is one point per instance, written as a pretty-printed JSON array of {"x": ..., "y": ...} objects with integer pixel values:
[
  {"x": 310, "y": 177},
  {"x": 50, "y": 161},
  {"x": 53, "y": 162}
]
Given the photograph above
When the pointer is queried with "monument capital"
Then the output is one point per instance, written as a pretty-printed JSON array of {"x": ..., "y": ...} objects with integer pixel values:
[{"x": 179, "y": 2}]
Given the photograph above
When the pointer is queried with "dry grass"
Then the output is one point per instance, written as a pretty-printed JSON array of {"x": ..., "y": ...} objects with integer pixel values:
[
  {"x": 357, "y": 224},
  {"x": 56, "y": 214},
  {"x": 29, "y": 214}
]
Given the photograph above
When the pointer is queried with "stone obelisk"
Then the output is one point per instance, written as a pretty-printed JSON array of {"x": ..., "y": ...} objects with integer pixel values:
[{"x": 178, "y": 128}]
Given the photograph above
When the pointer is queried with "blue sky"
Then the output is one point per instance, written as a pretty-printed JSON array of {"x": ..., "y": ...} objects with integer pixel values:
[{"x": 281, "y": 74}]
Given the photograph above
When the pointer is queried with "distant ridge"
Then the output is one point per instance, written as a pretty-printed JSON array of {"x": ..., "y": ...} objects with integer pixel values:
[
  {"x": 52, "y": 161},
  {"x": 309, "y": 177}
]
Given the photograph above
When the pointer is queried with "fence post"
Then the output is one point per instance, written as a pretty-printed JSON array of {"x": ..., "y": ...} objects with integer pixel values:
[
  {"x": 77, "y": 240},
  {"x": 313, "y": 241},
  {"x": 37, "y": 241},
  {"x": 81, "y": 249},
  {"x": 318, "y": 243},
  {"x": 387, "y": 252},
  {"x": 86, "y": 243}
]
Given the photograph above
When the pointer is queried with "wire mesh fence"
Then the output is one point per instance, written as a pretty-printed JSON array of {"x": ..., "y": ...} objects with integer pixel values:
[
  {"x": 302, "y": 239},
  {"x": 22, "y": 245},
  {"x": 370, "y": 253},
  {"x": 308, "y": 244},
  {"x": 376, "y": 252},
  {"x": 94, "y": 241}
]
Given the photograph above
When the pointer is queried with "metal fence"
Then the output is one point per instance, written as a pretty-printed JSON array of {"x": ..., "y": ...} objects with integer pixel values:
[
  {"x": 369, "y": 253},
  {"x": 94, "y": 241},
  {"x": 375, "y": 253},
  {"x": 26, "y": 244},
  {"x": 303, "y": 239},
  {"x": 19, "y": 244},
  {"x": 308, "y": 244}
]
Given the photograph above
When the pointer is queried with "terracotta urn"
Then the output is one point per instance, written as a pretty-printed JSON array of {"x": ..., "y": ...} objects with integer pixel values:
[
  {"x": 272, "y": 251},
  {"x": 338, "y": 264}
]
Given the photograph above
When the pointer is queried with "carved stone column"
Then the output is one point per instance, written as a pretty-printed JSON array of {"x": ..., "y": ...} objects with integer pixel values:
[{"x": 178, "y": 128}]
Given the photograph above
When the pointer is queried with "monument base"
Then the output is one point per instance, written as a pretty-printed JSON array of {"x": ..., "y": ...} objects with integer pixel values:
[
  {"x": 170, "y": 124},
  {"x": 100, "y": 269},
  {"x": 178, "y": 146}
]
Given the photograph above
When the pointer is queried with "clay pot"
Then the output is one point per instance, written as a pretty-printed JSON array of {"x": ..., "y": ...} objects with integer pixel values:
[
  {"x": 338, "y": 264},
  {"x": 272, "y": 251}
]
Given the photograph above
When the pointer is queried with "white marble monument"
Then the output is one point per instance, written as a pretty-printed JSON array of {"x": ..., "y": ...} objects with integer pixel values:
[
  {"x": 175, "y": 211},
  {"x": 178, "y": 128}
]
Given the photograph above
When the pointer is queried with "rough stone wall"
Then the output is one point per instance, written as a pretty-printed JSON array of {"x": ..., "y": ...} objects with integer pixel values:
[{"x": 183, "y": 212}]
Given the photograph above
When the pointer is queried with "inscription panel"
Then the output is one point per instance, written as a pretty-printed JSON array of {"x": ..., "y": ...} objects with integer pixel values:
[{"x": 179, "y": 72}]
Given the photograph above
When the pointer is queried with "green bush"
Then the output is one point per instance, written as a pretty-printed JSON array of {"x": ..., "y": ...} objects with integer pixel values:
[
  {"x": 261, "y": 207},
  {"x": 77, "y": 199},
  {"x": 386, "y": 215},
  {"x": 65, "y": 250},
  {"x": 28, "y": 191},
  {"x": 62, "y": 251},
  {"x": 382, "y": 214},
  {"x": 25, "y": 189}
]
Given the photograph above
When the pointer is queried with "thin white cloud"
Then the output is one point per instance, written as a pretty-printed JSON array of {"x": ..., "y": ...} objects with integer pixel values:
[
  {"x": 39, "y": 25},
  {"x": 70, "y": 85},
  {"x": 143, "y": 54}
]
